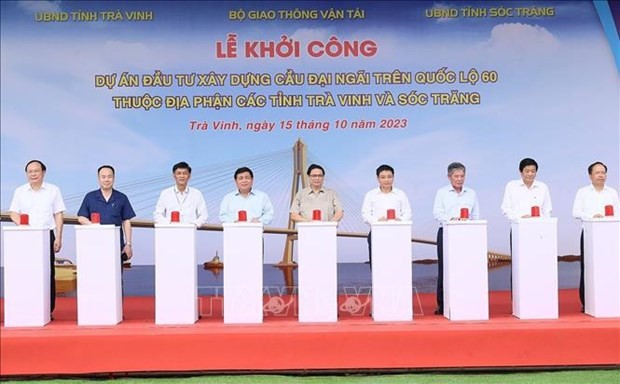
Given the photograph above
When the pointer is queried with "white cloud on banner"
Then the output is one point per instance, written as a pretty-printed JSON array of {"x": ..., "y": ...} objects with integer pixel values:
[
  {"x": 56, "y": 107},
  {"x": 522, "y": 38},
  {"x": 308, "y": 34},
  {"x": 39, "y": 6}
]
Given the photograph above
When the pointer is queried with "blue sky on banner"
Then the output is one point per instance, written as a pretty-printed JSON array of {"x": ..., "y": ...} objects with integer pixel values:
[{"x": 556, "y": 97}]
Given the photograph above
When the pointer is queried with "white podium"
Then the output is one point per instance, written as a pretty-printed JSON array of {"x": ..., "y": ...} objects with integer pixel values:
[
  {"x": 465, "y": 270},
  {"x": 535, "y": 268},
  {"x": 392, "y": 298},
  {"x": 318, "y": 279},
  {"x": 601, "y": 248},
  {"x": 243, "y": 273},
  {"x": 176, "y": 275},
  {"x": 99, "y": 284},
  {"x": 26, "y": 276}
]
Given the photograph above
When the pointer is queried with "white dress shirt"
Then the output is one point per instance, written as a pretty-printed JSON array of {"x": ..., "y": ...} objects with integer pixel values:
[
  {"x": 40, "y": 205},
  {"x": 448, "y": 204},
  {"x": 190, "y": 203},
  {"x": 376, "y": 203},
  {"x": 589, "y": 202},
  {"x": 519, "y": 199}
]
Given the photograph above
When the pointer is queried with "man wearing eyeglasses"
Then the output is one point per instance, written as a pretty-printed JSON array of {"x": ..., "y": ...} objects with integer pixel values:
[{"x": 316, "y": 197}]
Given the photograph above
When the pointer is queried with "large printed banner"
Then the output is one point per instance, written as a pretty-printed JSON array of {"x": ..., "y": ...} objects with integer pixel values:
[{"x": 224, "y": 84}]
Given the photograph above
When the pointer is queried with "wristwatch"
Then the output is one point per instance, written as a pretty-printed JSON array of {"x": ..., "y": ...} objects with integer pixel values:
[{"x": 128, "y": 243}]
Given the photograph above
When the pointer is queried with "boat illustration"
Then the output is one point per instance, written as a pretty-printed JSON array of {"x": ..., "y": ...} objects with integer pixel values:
[
  {"x": 65, "y": 269},
  {"x": 66, "y": 275},
  {"x": 215, "y": 263}
]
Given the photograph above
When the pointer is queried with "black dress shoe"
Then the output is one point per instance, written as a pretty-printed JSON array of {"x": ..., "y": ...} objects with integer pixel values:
[{"x": 439, "y": 311}]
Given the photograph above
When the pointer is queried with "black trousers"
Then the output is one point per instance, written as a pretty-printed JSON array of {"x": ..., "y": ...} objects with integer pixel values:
[
  {"x": 440, "y": 269},
  {"x": 369, "y": 240},
  {"x": 582, "y": 289},
  {"x": 52, "y": 273}
]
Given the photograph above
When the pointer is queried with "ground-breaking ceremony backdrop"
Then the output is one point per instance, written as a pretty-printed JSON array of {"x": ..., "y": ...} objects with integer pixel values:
[{"x": 224, "y": 84}]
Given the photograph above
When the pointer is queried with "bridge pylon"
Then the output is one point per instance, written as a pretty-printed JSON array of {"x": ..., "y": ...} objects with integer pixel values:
[{"x": 300, "y": 158}]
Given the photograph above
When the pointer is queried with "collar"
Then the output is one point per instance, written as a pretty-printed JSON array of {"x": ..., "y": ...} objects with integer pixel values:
[
  {"x": 43, "y": 186},
  {"x": 534, "y": 184},
  {"x": 176, "y": 190},
  {"x": 311, "y": 191},
  {"x": 102, "y": 198},
  {"x": 386, "y": 193},
  {"x": 591, "y": 187},
  {"x": 451, "y": 189}
]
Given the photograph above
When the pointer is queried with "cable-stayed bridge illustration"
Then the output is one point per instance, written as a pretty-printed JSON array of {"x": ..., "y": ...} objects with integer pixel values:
[{"x": 280, "y": 174}]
